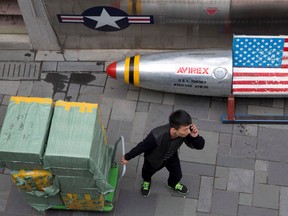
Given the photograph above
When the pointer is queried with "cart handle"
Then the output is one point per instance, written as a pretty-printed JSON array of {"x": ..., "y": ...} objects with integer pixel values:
[
  {"x": 121, "y": 138},
  {"x": 123, "y": 153}
]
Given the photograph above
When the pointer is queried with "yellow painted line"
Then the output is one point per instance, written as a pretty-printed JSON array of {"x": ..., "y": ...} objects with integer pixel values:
[
  {"x": 139, "y": 7},
  {"x": 17, "y": 100},
  {"x": 130, "y": 6},
  {"x": 136, "y": 70},
  {"x": 126, "y": 70}
]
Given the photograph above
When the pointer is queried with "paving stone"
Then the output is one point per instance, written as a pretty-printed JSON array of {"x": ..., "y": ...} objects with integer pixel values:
[
  {"x": 249, "y": 101},
  {"x": 59, "y": 96},
  {"x": 138, "y": 126},
  {"x": 142, "y": 107},
  {"x": 259, "y": 110},
  {"x": 245, "y": 130},
  {"x": 2, "y": 204},
  {"x": 17, "y": 55},
  {"x": 224, "y": 203},
  {"x": 261, "y": 165},
  {"x": 42, "y": 89},
  {"x": 25, "y": 88},
  {"x": 80, "y": 66},
  {"x": 261, "y": 176},
  {"x": 147, "y": 95},
  {"x": 220, "y": 183},
  {"x": 243, "y": 146},
  {"x": 218, "y": 108},
  {"x": 105, "y": 110},
  {"x": 278, "y": 103},
  {"x": 225, "y": 138},
  {"x": 203, "y": 214},
  {"x": 132, "y": 203},
  {"x": 158, "y": 115},
  {"x": 254, "y": 211},
  {"x": 16, "y": 204},
  {"x": 90, "y": 94},
  {"x": 197, "y": 169},
  {"x": 6, "y": 100},
  {"x": 168, "y": 98},
  {"x": 245, "y": 199},
  {"x": 5, "y": 186},
  {"x": 3, "y": 110},
  {"x": 197, "y": 107},
  {"x": 49, "y": 56},
  {"x": 132, "y": 95},
  {"x": 207, "y": 155},
  {"x": 241, "y": 109},
  {"x": 240, "y": 180},
  {"x": 125, "y": 130},
  {"x": 123, "y": 110},
  {"x": 236, "y": 162},
  {"x": 222, "y": 172},
  {"x": 278, "y": 174},
  {"x": 224, "y": 149},
  {"x": 127, "y": 184},
  {"x": 266, "y": 102},
  {"x": 115, "y": 89},
  {"x": 213, "y": 126},
  {"x": 100, "y": 79},
  {"x": 180, "y": 206},
  {"x": 205, "y": 195},
  {"x": 272, "y": 145},
  {"x": 49, "y": 66},
  {"x": 266, "y": 196},
  {"x": 283, "y": 207},
  {"x": 9, "y": 87},
  {"x": 113, "y": 131},
  {"x": 73, "y": 91}
]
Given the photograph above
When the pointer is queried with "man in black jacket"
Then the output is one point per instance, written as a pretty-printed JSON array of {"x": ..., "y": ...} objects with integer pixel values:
[{"x": 160, "y": 150}]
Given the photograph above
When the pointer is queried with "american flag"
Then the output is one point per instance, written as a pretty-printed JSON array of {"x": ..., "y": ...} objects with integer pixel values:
[{"x": 260, "y": 65}]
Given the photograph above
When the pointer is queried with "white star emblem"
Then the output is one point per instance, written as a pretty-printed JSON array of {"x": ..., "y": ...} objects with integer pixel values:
[{"x": 106, "y": 19}]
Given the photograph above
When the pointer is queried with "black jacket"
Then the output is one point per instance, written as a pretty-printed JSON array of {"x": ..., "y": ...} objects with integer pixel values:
[{"x": 158, "y": 142}]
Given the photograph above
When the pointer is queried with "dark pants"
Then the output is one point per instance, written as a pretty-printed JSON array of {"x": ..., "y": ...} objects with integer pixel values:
[{"x": 172, "y": 165}]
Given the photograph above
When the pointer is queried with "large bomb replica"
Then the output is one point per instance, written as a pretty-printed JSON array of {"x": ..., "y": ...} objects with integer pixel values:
[
  {"x": 200, "y": 72},
  {"x": 206, "y": 73}
]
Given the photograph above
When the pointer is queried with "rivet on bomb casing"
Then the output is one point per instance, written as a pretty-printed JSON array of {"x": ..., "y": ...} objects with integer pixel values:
[{"x": 219, "y": 73}]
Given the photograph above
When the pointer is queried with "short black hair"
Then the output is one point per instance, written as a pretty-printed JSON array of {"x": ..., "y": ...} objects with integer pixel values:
[{"x": 179, "y": 118}]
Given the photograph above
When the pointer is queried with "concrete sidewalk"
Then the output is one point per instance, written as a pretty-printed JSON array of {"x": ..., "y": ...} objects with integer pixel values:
[{"x": 241, "y": 172}]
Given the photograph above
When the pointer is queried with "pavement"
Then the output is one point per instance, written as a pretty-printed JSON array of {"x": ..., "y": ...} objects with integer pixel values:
[{"x": 242, "y": 171}]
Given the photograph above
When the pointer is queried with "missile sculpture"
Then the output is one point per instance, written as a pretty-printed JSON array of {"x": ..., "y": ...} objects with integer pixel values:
[{"x": 259, "y": 73}]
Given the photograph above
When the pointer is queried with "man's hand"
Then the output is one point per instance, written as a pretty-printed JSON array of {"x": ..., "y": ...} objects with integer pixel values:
[
  {"x": 123, "y": 161},
  {"x": 194, "y": 131}
]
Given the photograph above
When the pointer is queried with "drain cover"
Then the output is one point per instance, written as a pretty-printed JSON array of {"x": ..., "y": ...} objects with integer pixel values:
[{"x": 20, "y": 70}]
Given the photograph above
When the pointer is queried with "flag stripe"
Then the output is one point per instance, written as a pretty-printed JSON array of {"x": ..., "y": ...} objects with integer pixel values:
[
  {"x": 262, "y": 90},
  {"x": 260, "y": 74},
  {"x": 259, "y": 82},
  {"x": 262, "y": 81}
]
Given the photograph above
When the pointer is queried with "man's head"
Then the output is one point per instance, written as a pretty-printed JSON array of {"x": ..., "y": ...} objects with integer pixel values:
[{"x": 180, "y": 122}]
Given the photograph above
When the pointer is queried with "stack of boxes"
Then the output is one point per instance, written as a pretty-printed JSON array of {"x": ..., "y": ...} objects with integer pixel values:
[
  {"x": 78, "y": 155},
  {"x": 67, "y": 165}
]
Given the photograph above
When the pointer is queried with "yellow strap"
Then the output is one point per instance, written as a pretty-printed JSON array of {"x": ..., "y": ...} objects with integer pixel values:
[
  {"x": 17, "y": 100},
  {"x": 136, "y": 70},
  {"x": 126, "y": 70},
  {"x": 83, "y": 107}
]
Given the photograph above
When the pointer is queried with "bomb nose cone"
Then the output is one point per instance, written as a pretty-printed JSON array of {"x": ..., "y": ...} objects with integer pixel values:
[{"x": 111, "y": 70}]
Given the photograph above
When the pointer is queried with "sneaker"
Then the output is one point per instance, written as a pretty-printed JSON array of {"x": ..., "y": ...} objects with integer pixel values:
[
  {"x": 145, "y": 188},
  {"x": 180, "y": 188}
]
